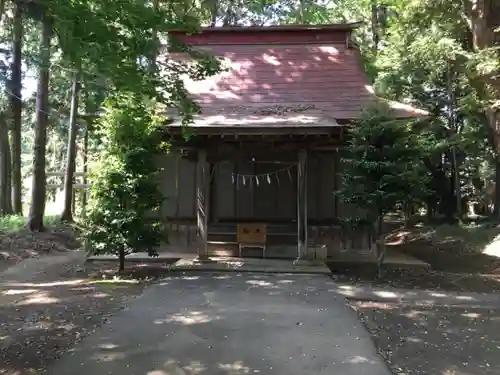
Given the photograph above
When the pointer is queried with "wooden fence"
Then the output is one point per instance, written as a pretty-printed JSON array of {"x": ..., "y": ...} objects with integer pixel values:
[{"x": 81, "y": 186}]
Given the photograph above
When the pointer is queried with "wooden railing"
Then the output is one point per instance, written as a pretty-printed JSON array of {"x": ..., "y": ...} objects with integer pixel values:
[
  {"x": 343, "y": 237},
  {"x": 61, "y": 184}
]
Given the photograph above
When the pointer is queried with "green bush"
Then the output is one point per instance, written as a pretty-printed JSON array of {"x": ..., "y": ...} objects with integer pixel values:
[
  {"x": 125, "y": 191},
  {"x": 382, "y": 166},
  {"x": 12, "y": 223}
]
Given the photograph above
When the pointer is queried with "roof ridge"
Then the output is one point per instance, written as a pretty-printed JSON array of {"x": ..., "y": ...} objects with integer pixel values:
[{"x": 287, "y": 27}]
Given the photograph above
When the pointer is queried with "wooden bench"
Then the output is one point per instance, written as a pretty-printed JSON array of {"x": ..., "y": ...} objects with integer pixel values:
[{"x": 251, "y": 235}]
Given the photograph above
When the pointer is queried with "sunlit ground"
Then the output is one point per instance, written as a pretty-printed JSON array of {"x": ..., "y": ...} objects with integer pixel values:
[
  {"x": 493, "y": 248},
  {"x": 47, "y": 315}
]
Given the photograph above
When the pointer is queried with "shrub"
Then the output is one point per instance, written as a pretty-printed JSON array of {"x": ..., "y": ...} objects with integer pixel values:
[{"x": 125, "y": 195}]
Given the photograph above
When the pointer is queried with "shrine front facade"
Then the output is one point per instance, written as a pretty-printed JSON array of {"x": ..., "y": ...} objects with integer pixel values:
[{"x": 265, "y": 149}]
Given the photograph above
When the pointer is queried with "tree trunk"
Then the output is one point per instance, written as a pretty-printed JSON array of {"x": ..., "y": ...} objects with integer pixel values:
[
  {"x": 2, "y": 9},
  {"x": 452, "y": 123},
  {"x": 214, "y": 10},
  {"x": 152, "y": 64},
  {"x": 431, "y": 208},
  {"x": 301, "y": 15},
  {"x": 456, "y": 184},
  {"x": 483, "y": 21},
  {"x": 493, "y": 136},
  {"x": 496, "y": 193},
  {"x": 380, "y": 244},
  {"x": 38, "y": 187},
  {"x": 66, "y": 214},
  {"x": 229, "y": 18},
  {"x": 85, "y": 161},
  {"x": 5, "y": 169},
  {"x": 16, "y": 111},
  {"x": 121, "y": 257},
  {"x": 408, "y": 213},
  {"x": 375, "y": 26},
  {"x": 447, "y": 207}
]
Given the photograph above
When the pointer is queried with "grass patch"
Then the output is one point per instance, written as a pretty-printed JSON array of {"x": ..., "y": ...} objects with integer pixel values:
[{"x": 13, "y": 223}]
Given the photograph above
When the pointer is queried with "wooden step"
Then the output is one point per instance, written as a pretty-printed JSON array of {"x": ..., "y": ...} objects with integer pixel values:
[
  {"x": 222, "y": 248},
  {"x": 272, "y": 239}
]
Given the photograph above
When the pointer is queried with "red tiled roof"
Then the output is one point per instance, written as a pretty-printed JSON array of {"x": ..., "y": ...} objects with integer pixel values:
[{"x": 327, "y": 77}]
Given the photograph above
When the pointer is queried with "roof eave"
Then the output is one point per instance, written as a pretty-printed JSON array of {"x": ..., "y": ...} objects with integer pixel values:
[
  {"x": 259, "y": 29},
  {"x": 258, "y": 130}
]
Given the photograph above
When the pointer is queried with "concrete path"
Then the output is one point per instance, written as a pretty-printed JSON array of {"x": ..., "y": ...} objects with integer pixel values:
[
  {"x": 228, "y": 324},
  {"x": 188, "y": 263}
]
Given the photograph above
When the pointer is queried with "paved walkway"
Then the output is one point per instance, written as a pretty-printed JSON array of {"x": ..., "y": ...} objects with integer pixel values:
[
  {"x": 189, "y": 263},
  {"x": 227, "y": 324}
]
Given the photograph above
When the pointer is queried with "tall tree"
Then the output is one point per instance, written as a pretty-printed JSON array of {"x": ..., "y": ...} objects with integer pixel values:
[
  {"x": 5, "y": 170},
  {"x": 85, "y": 157},
  {"x": 472, "y": 25},
  {"x": 2, "y": 8},
  {"x": 375, "y": 25},
  {"x": 230, "y": 18},
  {"x": 16, "y": 108},
  {"x": 382, "y": 167},
  {"x": 214, "y": 11},
  {"x": 154, "y": 50},
  {"x": 38, "y": 187},
  {"x": 483, "y": 22},
  {"x": 66, "y": 214}
]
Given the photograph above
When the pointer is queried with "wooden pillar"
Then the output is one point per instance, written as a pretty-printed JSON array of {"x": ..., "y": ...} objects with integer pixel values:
[
  {"x": 211, "y": 192},
  {"x": 302, "y": 204},
  {"x": 202, "y": 195}
]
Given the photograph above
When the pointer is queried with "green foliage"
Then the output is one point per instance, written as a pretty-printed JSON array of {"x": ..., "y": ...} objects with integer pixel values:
[
  {"x": 426, "y": 60},
  {"x": 125, "y": 197},
  {"x": 13, "y": 223},
  {"x": 382, "y": 164},
  {"x": 420, "y": 42},
  {"x": 111, "y": 44}
]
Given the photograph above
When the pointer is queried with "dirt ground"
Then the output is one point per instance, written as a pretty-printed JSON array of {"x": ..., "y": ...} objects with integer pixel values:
[
  {"x": 22, "y": 244},
  {"x": 448, "y": 340},
  {"x": 453, "y": 248},
  {"x": 50, "y": 298},
  {"x": 44, "y": 315},
  {"x": 424, "y": 279},
  {"x": 50, "y": 302},
  {"x": 455, "y": 253},
  {"x": 437, "y": 339}
]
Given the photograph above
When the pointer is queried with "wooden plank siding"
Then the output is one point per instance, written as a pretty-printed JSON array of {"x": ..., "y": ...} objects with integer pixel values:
[
  {"x": 275, "y": 203},
  {"x": 233, "y": 199}
]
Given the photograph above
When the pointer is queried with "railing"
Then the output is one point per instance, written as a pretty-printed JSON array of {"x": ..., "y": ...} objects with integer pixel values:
[
  {"x": 343, "y": 237},
  {"x": 61, "y": 185},
  {"x": 80, "y": 189}
]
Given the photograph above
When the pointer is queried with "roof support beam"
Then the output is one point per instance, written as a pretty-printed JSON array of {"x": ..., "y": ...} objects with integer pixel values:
[
  {"x": 302, "y": 205},
  {"x": 202, "y": 194}
]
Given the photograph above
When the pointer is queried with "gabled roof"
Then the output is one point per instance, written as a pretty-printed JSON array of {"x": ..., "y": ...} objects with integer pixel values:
[{"x": 288, "y": 75}]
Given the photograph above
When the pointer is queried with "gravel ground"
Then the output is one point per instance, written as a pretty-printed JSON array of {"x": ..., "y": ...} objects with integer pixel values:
[{"x": 448, "y": 340}]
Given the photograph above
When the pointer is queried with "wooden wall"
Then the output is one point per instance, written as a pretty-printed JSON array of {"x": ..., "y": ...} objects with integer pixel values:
[
  {"x": 178, "y": 182},
  {"x": 321, "y": 184},
  {"x": 243, "y": 198},
  {"x": 232, "y": 200}
]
